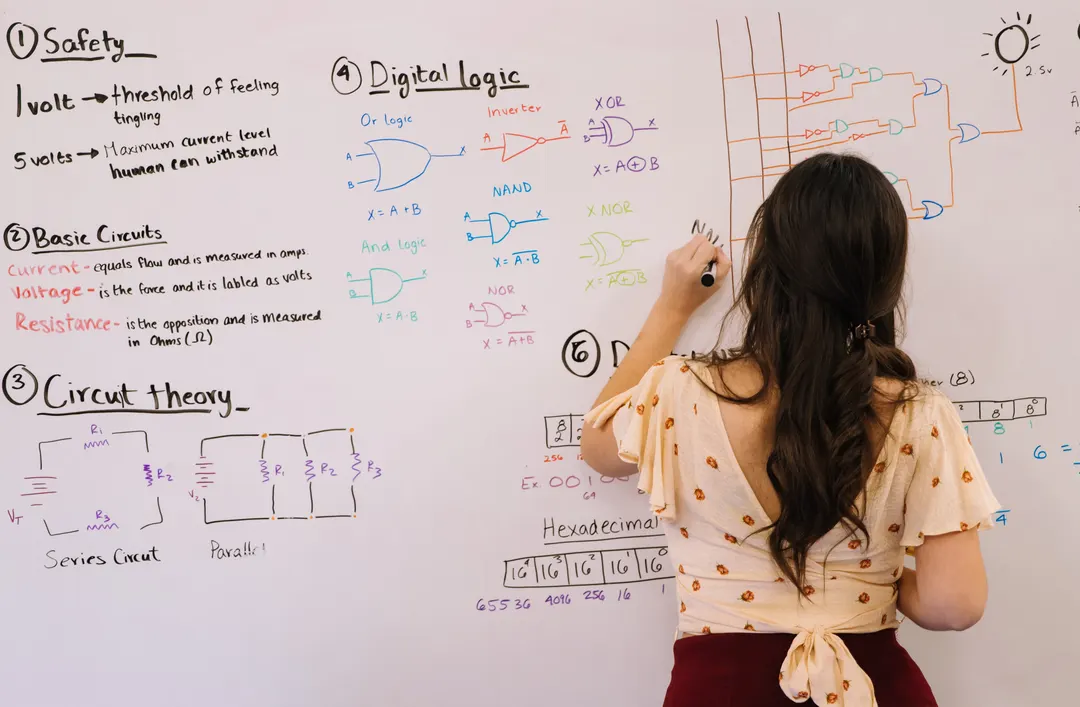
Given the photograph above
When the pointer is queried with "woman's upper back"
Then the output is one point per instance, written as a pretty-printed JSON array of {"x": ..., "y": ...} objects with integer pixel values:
[
  {"x": 751, "y": 428},
  {"x": 713, "y": 497}
]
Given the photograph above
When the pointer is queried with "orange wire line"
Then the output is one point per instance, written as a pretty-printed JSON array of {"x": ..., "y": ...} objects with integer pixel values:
[
  {"x": 1016, "y": 102},
  {"x": 819, "y": 147},
  {"x": 904, "y": 73},
  {"x": 817, "y": 103},
  {"x": 766, "y": 137},
  {"x": 910, "y": 198},
  {"x": 812, "y": 145},
  {"x": 779, "y": 73},
  {"x": 763, "y": 73},
  {"x": 948, "y": 107}
]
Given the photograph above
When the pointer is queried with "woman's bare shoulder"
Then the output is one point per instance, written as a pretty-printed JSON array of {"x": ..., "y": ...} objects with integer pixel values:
[
  {"x": 743, "y": 378},
  {"x": 735, "y": 378}
]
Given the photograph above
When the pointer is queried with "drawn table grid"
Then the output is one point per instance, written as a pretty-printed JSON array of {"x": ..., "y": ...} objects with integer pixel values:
[
  {"x": 563, "y": 430},
  {"x": 587, "y": 568},
  {"x": 1000, "y": 410}
]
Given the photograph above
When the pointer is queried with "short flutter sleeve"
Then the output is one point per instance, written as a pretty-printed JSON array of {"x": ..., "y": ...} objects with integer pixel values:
[
  {"x": 948, "y": 491},
  {"x": 643, "y": 421}
]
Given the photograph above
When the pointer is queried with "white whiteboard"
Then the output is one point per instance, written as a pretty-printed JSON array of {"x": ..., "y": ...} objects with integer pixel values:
[{"x": 418, "y": 458}]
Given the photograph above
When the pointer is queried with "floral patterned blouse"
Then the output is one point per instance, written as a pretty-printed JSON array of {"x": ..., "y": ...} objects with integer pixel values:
[{"x": 927, "y": 481}]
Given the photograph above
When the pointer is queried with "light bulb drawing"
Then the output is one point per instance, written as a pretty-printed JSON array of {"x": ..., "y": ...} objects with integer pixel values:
[
  {"x": 1012, "y": 43},
  {"x": 397, "y": 162}
]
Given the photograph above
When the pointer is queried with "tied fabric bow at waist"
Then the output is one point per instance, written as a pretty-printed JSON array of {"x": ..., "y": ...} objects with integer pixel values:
[{"x": 819, "y": 665}]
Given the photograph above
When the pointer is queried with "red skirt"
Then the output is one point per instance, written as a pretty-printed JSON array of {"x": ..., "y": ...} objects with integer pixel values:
[{"x": 740, "y": 669}]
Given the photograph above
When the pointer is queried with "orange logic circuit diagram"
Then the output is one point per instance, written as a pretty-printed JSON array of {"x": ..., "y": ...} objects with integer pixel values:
[{"x": 778, "y": 112}]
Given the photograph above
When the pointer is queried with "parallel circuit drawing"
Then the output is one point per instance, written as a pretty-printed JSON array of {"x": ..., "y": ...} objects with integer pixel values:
[{"x": 281, "y": 476}]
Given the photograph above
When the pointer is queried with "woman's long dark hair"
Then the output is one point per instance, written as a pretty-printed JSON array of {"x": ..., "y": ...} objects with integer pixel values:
[{"x": 827, "y": 253}]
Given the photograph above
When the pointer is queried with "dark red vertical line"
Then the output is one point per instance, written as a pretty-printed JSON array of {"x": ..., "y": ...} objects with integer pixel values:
[
  {"x": 787, "y": 114},
  {"x": 757, "y": 107},
  {"x": 727, "y": 147}
]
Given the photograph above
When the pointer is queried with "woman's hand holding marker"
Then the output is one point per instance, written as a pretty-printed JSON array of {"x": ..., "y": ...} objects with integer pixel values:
[{"x": 682, "y": 289}]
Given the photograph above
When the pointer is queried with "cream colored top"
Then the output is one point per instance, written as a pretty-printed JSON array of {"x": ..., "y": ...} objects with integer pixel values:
[{"x": 927, "y": 481}]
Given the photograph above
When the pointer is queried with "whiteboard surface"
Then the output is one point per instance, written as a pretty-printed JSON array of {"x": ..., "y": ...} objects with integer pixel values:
[{"x": 378, "y": 448}]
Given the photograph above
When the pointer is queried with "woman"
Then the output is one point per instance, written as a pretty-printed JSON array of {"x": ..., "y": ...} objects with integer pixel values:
[{"x": 793, "y": 471}]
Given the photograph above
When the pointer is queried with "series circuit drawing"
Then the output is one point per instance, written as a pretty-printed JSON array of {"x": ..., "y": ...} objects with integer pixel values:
[
  {"x": 397, "y": 162},
  {"x": 498, "y": 226},
  {"x": 778, "y": 112},
  {"x": 383, "y": 285},
  {"x": 97, "y": 484},
  {"x": 606, "y": 248},
  {"x": 615, "y": 131}
]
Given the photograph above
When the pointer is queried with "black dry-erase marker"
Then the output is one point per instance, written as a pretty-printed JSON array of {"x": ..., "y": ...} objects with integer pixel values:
[{"x": 708, "y": 278}]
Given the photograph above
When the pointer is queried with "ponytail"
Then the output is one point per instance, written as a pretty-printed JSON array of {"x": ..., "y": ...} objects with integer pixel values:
[{"x": 828, "y": 246}]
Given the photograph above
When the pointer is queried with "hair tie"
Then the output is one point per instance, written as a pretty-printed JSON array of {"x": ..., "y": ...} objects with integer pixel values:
[{"x": 863, "y": 331}]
